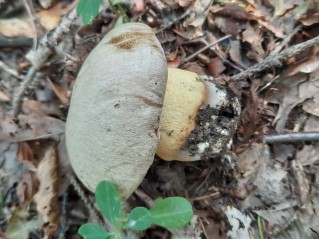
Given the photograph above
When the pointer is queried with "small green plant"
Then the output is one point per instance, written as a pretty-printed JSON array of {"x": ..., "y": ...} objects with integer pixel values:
[
  {"x": 171, "y": 212},
  {"x": 88, "y": 9}
]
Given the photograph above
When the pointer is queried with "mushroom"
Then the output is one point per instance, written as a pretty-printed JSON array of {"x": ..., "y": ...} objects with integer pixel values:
[
  {"x": 199, "y": 117},
  {"x": 113, "y": 120},
  {"x": 115, "y": 117}
]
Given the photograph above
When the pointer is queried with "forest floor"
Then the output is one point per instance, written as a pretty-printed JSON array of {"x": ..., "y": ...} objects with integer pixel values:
[{"x": 266, "y": 185}]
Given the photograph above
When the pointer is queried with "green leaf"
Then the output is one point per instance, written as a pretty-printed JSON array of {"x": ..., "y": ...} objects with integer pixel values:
[
  {"x": 88, "y": 9},
  {"x": 172, "y": 212},
  {"x": 139, "y": 218},
  {"x": 93, "y": 231},
  {"x": 109, "y": 203}
]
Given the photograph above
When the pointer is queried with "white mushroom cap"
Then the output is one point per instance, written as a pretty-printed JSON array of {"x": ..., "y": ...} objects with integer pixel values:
[{"x": 113, "y": 120}]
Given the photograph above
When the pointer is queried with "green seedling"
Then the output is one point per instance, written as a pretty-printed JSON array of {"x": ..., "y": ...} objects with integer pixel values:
[
  {"x": 88, "y": 10},
  {"x": 171, "y": 212}
]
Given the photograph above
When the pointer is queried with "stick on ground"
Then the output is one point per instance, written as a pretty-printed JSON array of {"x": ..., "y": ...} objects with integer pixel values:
[{"x": 277, "y": 60}]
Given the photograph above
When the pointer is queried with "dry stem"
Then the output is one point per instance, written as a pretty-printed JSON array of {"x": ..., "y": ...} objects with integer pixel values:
[
  {"x": 40, "y": 56},
  {"x": 277, "y": 60}
]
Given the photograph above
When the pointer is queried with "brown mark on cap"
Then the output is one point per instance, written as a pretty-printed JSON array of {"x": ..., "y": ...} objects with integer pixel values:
[{"x": 129, "y": 40}]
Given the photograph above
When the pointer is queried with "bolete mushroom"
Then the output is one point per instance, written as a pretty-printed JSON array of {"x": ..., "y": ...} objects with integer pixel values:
[
  {"x": 114, "y": 115},
  {"x": 113, "y": 126}
]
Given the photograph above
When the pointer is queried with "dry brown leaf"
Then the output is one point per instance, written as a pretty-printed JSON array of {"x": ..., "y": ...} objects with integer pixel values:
[
  {"x": 25, "y": 156},
  {"x": 236, "y": 54},
  {"x": 61, "y": 93},
  {"x": 308, "y": 155},
  {"x": 287, "y": 96},
  {"x": 302, "y": 184},
  {"x": 254, "y": 37},
  {"x": 27, "y": 187},
  {"x": 282, "y": 6},
  {"x": 30, "y": 128},
  {"x": 216, "y": 66},
  {"x": 51, "y": 17},
  {"x": 306, "y": 222},
  {"x": 271, "y": 184},
  {"x": 47, "y": 196},
  {"x": 198, "y": 13},
  {"x": 23, "y": 26},
  {"x": 16, "y": 27},
  {"x": 312, "y": 124},
  {"x": 41, "y": 109}
]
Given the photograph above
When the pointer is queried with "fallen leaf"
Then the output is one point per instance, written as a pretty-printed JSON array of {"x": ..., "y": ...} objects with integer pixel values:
[
  {"x": 25, "y": 156},
  {"x": 60, "y": 92},
  {"x": 287, "y": 95},
  {"x": 306, "y": 222},
  {"x": 30, "y": 128},
  {"x": 27, "y": 187},
  {"x": 312, "y": 124},
  {"x": 216, "y": 66},
  {"x": 239, "y": 222},
  {"x": 308, "y": 155},
  {"x": 271, "y": 182},
  {"x": 23, "y": 26},
  {"x": 279, "y": 216},
  {"x": 47, "y": 196},
  {"x": 255, "y": 38},
  {"x": 198, "y": 13}
]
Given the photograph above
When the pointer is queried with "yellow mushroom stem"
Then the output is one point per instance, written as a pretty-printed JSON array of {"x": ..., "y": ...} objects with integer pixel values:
[
  {"x": 184, "y": 96},
  {"x": 190, "y": 128}
]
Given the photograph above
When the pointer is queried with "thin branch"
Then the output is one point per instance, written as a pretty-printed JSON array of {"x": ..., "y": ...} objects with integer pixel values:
[
  {"x": 17, "y": 100},
  {"x": 9, "y": 70},
  {"x": 291, "y": 137},
  {"x": 206, "y": 47},
  {"x": 277, "y": 60},
  {"x": 40, "y": 56}
]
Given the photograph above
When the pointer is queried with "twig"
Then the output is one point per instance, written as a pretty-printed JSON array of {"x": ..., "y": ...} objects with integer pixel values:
[
  {"x": 202, "y": 40},
  {"x": 17, "y": 100},
  {"x": 213, "y": 195},
  {"x": 206, "y": 47},
  {"x": 9, "y": 70},
  {"x": 291, "y": 137},
  {"x": 286, "y": 41},
  {"x": 147, "y": 199},
  {"x": 40, "y": 56},
  {"x": 277, "y": 60},
  {"x": 185, "y": 14},
  {"x": 260, "y": 227}
]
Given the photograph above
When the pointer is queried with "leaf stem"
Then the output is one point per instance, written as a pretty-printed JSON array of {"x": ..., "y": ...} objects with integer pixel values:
[{"x": 260, "y": 229}]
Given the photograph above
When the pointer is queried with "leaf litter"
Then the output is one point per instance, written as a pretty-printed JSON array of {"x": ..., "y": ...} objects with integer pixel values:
[{"x": 274, "y": 183}]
